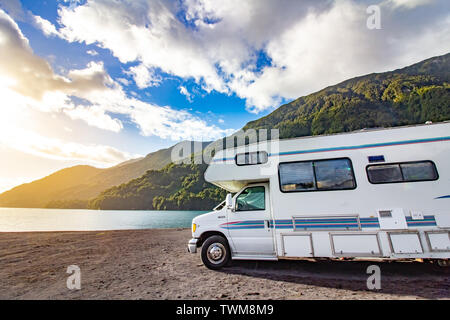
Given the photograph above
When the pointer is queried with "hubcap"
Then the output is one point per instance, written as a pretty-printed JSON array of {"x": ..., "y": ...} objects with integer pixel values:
[{"x": 216, "y": 253}]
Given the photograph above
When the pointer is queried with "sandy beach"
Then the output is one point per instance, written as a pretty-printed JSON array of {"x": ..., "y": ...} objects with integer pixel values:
[{"x": 154, "y": 264}]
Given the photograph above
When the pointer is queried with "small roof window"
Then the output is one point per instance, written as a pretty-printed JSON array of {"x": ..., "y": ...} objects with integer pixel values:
[{"x": 251, "y": 158}]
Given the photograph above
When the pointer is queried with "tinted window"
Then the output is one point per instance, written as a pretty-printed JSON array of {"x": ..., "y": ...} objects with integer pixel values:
[
  {"x": 384, "y": 173},
  {"x": 250, "y": 158},
  {"x": 252, "y": 198},
  {"x": 419, "y": 171},
  {"x": 402, "y": 172},
  {"x": 297, "y": 176},
  {"x": 336, "y": 174}
]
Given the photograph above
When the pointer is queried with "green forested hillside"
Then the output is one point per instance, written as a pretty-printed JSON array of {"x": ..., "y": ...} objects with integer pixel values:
[
  {"x": 411, "y": 95},
  {"x": 177, "y": 186}
]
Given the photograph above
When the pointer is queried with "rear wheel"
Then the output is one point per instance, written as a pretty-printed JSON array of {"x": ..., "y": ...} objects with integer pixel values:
[
  {"x": 215, "y": 252},
  {"x": 443, "y": 262}
]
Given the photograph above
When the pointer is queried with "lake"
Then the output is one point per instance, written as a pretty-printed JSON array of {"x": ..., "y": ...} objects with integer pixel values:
[{"x": 21, "y": 220}]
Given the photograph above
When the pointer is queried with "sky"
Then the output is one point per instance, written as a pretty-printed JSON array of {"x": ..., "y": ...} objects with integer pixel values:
[{"x": 99, "y": 82}]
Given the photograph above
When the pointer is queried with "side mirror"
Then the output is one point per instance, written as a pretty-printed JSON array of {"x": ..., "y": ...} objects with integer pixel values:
[{"x": 229, "y": 201}]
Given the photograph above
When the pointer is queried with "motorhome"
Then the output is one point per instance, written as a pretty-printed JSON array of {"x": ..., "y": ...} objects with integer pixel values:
[{"x": 380, "y": 193}]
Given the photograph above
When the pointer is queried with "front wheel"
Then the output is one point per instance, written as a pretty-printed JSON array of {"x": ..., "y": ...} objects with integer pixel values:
[{"x": 215, "y": 252}]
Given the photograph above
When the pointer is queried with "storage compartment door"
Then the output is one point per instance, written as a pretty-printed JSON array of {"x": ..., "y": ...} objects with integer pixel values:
[
  {"x": 362, "y": 245},
  {"x": 439, "y": 240},
  {"x": 405, "y": 242},
  {"x": 297, "y": 245}
]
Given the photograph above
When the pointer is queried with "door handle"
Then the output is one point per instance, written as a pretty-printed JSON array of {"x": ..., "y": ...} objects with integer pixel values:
[{"x": 267, "y": 223}]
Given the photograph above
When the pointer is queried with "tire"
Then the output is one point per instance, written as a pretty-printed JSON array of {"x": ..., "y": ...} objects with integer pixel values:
[
  {"x": 215, "y": 252},
  {"x": 444, "y": 263}
]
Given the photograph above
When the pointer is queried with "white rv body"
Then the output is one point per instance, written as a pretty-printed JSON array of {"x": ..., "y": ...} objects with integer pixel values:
[{"x": 393, "y": 220}]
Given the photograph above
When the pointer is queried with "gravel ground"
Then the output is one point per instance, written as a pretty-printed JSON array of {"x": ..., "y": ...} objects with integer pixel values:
[{"x": 154, "y": 264}]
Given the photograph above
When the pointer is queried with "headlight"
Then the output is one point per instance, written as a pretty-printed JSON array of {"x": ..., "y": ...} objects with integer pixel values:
[{"x": 194, "y": 227}]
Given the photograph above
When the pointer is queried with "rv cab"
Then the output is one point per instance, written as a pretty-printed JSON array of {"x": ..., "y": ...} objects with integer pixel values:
[
  {"x": 245, "y": 218},
  {"x": 382, "y": 193}
]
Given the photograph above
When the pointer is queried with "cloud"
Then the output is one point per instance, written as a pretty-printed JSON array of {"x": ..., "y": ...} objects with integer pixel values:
[
  {"x": 327, "y": 46},
  {"x": 46, "y": 26},
  {"x": 18, "y": 132},
  {"x": 92, "y": 53},
  {"x": 409, "y": 4},
  {"x": 122, "y": 28},
  {"x": 14, "y": 8},
  {"x": 144, "y": 77},
  {"x": 33, "y": 76},
  {"x": 124, "y": 81},
  {"x": 96, "y": 117},
  {"x": 315, "y": 43},
  {"x": 88, "y": 94},
  {"x": 186, "y": 93},
  {"x": 32, "y": 143},
  {"x": 175, "y": 125}
]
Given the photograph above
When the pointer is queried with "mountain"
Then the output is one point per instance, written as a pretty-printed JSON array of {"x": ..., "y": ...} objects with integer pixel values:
[
  {"x": 72, "y": 187},
  {"x": 177, "y": 186},
  {"x": 415, "y": 94},
  {"x": 56, "y": 186}
]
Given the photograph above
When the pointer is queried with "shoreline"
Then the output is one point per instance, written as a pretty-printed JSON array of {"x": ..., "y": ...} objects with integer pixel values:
[
  {"x": 138, "y": 210},
  {"x": 68, "y": 220},
  {"x": 94, "y": 231},
  {"x": 155, "y": 264}
]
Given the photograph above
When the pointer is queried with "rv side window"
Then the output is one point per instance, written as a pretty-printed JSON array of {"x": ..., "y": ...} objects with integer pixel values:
[
  {"x": 320, "y": 175},
  {"x": 251, "y": 158},
  {"x": 297, "y": 176},
  {"x": 419, "y": 171},
  {"x": 402, "y": 172},
  {"x": 252, "y": 198},
  {"x": 384, "y": 173},
  {"x": 334, "y": 174}
]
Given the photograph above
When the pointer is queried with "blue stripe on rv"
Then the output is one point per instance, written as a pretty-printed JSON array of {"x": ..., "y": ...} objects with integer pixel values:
[
  {"x": 325, "y": 223},
  {"x": 248, "y": 224},
  {"x": 425, "y": 222},
  {"x": 246, "y": 227},
  {"x": 362, "y": 146}
]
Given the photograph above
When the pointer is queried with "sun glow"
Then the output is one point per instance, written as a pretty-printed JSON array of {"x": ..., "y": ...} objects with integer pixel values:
[{"x": 6, "y": 82}]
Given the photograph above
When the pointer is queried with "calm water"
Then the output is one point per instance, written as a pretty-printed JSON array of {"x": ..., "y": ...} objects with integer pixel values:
[{"x": 18, "y": 220}]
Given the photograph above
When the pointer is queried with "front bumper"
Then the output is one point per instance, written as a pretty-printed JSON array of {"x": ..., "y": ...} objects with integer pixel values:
[{"x": 192, "y": 245}]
